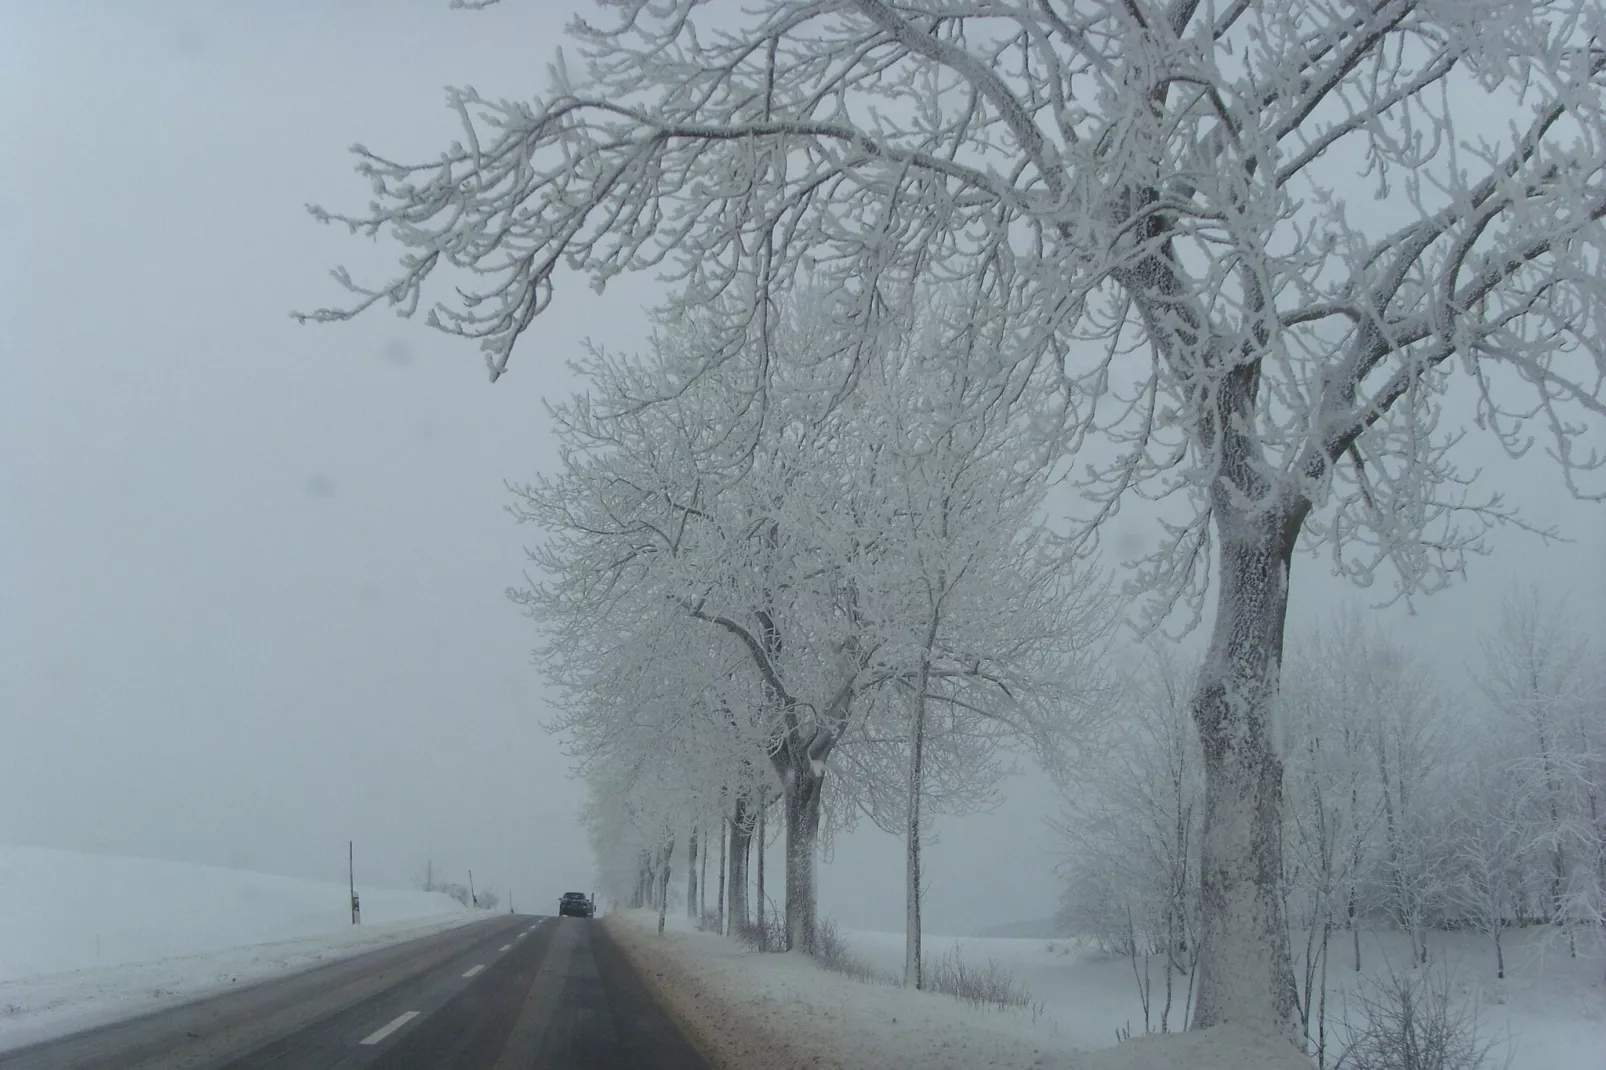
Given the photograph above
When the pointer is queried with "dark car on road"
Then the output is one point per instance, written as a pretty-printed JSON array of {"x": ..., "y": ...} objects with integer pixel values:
[{"x": 576, "y": 905}]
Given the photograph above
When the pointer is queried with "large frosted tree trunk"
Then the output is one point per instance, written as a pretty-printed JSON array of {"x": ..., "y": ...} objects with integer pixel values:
[
  {"x": 1245, "y": 974},
  {"x": 741, "y": 836},
  {"x": 803, "y": 786}
]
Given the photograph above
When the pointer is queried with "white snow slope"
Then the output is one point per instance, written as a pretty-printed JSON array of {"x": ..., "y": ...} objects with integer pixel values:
[
  {"x": 782, "y": 1011},
  {"x": 87, "y": 939}
]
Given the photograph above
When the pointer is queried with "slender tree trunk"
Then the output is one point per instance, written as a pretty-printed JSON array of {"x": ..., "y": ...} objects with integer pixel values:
[
  {"x": 917, "y": 740},
  {"x": 691, "y": 875},
  {"x": 1354, "y": 859},
  {"x": 763, "y": 805},
  {"x": 803, "y": 792},
  {"x": 1391, "y": 830},
  {"x": 741, "y": 835},
  {"x": 702, "y": 879},
  {"x": 1591, "y": 795},
  {"x": 1321, "y": 1007},
  {"x": 1246, "y": 976},
  {"x": 911, "y": 918},
  {"x": 663, "y": 884},
  {"x": 719, "y": 903},
  {"x": 1558, "y": 853}
]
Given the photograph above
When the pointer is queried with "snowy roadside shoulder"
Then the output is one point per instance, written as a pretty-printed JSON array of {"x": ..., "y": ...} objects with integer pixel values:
[
  {"x": 743, "y": 1009},
  {"x": 45, "y": 1006}
]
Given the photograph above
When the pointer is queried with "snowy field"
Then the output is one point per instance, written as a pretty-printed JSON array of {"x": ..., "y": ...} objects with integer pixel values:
[
  {"x": 1549, "y": 1013},
  {"x": 87, "y": 939},
  {"x": 781, "y": 1010}
]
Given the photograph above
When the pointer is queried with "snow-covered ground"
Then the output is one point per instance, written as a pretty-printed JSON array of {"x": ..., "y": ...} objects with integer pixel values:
[
  {"x": 1549, "y": 1013},
  {"x": 86, "y": 939},
  {"x": 781, "y": 1011}
]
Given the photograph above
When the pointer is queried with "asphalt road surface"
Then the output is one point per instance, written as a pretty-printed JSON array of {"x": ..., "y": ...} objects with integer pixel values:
[{"x": 512, "y": 992}]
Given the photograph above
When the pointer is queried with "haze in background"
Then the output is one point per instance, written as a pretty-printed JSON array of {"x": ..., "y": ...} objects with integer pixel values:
[{"x": 253, "y": 572}]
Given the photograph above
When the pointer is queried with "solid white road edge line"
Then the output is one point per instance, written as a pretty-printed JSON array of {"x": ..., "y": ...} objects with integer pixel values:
[
  {"x": 384, "y": 1031},
  {"x": 473, "y": 970}
]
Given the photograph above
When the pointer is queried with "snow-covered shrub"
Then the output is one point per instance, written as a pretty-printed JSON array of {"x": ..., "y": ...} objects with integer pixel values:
[
  {"x": 1411, "y": 1020},
  {"x": 771, "y": 936},
  {"x": 831, "y": 951},
  {"x": 990, "y": 985}
]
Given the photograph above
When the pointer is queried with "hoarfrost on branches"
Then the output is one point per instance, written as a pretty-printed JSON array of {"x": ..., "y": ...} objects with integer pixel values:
[
  {"x": 755, "y": 589},
  {"x": 1146, "y": 202}
]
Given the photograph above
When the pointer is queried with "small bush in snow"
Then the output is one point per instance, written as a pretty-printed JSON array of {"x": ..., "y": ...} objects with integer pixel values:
[
  {"x": 771, "y": 937},
  {"x": 832, "y": 952},
  {"x": 985, "y": 986},
  {"x": 1410, "y": 1020}
]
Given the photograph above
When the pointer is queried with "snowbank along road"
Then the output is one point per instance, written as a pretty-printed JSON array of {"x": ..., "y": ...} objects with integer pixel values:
[{"x": 513, "y": 991}]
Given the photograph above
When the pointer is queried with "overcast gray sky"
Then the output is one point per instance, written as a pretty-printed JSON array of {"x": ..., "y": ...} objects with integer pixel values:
[{"x": 253, "y": 572}]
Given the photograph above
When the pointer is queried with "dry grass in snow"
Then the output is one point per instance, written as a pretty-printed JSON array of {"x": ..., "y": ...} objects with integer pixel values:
[{"x": 744, "y": 1009}]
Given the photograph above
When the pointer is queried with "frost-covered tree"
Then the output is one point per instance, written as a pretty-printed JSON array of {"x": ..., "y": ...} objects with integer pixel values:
[
  {"x": 827, "y": 559},
  {"x": 1371, "y": 763},
  {"x": 984, "y": 635},
  {"x": 1369, "y": 721},
  {"x": 1130, "y": 832},
  {"x": 1152, "y": 197},
  {"x": 1331, "y": 803},
  {"x": 1489, "y": 856},
  {"x": 1543, "y": 682},
  {"x": 632, "y": 815},
  {"x": 652, "y": 514}
]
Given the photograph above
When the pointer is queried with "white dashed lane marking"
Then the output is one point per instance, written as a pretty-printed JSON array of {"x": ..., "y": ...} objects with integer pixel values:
[
  {"x": 473, "y": 970},
  {"x": 504, "y": 947},
  {"x": 384, "y": 1031}
]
